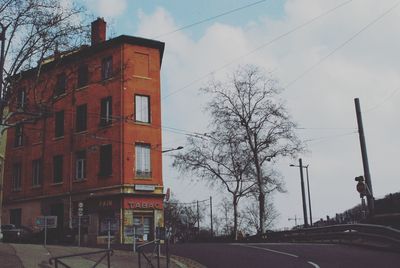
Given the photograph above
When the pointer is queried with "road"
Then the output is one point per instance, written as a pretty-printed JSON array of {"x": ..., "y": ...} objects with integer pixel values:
[{"x": 255, "y": 255}]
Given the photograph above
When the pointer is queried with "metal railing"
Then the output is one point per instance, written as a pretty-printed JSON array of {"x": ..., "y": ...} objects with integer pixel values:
[
  {"x": 148, "y": 258},
  {"x": 366, "y": 234},
  {"x": 107, "y": 253}
]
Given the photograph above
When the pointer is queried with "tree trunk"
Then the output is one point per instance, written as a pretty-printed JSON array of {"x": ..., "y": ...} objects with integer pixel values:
[
  {"x": 235, "y": 218},
  {"x": 261, "y": 200}
]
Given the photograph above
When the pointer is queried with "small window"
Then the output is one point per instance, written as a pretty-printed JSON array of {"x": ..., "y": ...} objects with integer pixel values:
[
  {"x": 106, "y": 111},
  {"x": 83, "y": 75},
  {"x": 37, "y": 172},
  {"x": 81, "y": 118},
  {"x": 105, "y": 160},
  {"x": 19, "y": 134},
  {"x": 61, "y": 84},
  {"x": 21, "y": 99},
  {"x": 106, "y": 68},
  {"x": 80, "y": 165},
  {"x": 143, "y": 160},
  {"x": 59, "y": 124},
  {"x": 58, "y": 168},
  {"x": 16, "y": 177},
  {"x": 142, "y": 108}
]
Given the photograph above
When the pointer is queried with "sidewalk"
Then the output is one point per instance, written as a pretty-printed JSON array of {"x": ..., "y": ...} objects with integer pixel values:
[{"x": 34, "y": 256}]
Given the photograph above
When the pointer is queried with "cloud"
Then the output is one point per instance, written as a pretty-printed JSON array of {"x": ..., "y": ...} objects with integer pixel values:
[
  {"x": 320, "y": 100},
  {"x": 107, "y": 8}
]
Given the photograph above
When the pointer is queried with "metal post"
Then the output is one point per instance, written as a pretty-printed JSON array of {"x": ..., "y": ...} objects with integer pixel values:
[
  {"x": 108, "y": 259},
  {"x": 45, "y": 231},
  {"x": 211, "y": 218},
  {"x": 134, "y": 240},
  {"x": 109, "y": 233},
  {"x": 79, "y": 231},
  {"x": 303, "y": 195},
  {"x": 309, "y": 197},
  {"x": 198, "y": 220},
  {"x": 367, "y": 175},
  {"x": 158, "y": 254}
]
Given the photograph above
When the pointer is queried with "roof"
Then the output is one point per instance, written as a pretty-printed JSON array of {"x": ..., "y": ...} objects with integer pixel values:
[{"x": 86, "y": 50}]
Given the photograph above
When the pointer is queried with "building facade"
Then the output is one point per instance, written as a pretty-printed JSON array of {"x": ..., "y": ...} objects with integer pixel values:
[{"x": 86, "y": 132}]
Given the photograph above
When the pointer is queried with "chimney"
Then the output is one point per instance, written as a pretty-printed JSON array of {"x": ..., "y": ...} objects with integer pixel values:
[{"x": 98, "y": 31}]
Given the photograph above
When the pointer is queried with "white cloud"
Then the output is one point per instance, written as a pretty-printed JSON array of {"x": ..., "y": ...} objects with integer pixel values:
[
  {"x": 107, "y": 8},
  {"x": 367, "y": 67}
]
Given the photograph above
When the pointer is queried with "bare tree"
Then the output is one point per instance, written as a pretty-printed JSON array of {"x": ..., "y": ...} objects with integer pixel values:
[
  {"x": 32, "y": 31},
  {"x": 248, "y": 104},
  {"x": 219, "y": 159}
]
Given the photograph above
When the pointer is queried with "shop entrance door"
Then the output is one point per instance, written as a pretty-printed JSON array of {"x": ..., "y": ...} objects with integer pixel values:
[{"x": 146, "y": 222}]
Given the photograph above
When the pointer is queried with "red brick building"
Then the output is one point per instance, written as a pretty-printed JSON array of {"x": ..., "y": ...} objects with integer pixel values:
[{"x": 88, "y": 130}]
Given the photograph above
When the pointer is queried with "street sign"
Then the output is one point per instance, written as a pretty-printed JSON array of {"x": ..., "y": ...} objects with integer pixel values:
[
  {"x": 361, "y": 187},
  {"x": 80, "y": 205},
  {"x": 46, "y": 221}
]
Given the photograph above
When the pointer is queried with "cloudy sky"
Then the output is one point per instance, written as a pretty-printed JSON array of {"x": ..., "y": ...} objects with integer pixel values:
[{"x": 324, "y": 53}]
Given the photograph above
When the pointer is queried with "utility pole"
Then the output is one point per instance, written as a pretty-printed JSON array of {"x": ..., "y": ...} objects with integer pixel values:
[
  {"x": 198, "y": 220},
  {"x": 303, "y": 195},
  {"x": 211, "y": 218},
  {"x": 367, "y": 175},
  {"x": 309, "y": 197}
]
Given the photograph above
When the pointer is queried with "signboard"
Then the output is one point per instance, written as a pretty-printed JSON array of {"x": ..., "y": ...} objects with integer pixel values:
[
  {"x": 85, "y": 221},
  {"x": 143, "y": 203},
  {"x": 48, "y": 221},
  {"x": 145, "y": 187}
]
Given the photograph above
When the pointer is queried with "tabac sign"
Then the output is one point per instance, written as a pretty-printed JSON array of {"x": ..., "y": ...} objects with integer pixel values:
[{"x": 143, "y": 203}]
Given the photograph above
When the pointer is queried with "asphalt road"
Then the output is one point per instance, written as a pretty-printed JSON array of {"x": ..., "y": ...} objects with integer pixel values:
[{"x": 285, "y": 255}]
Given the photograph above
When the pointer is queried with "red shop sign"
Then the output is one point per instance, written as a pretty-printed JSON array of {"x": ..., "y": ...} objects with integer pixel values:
[{"x": 143, "y": 203}]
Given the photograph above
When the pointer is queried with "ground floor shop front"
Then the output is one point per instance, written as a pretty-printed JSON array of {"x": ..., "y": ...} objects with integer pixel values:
[{"x": 118, "y": 217}]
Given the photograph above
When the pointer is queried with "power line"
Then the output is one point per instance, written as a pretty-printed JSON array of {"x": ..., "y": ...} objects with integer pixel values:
[
  {"x": 394, "y": 92},
  {"x": 277, "y": 38},
  {"x": 210, "y": 18},
  {"x": 308, "y": 70},
  {"x": 332, "y": 136}
]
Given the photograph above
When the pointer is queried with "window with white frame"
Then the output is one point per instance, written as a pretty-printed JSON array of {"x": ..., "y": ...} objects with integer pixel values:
[
  {"x": 142, "y": 108},
  {"x": 106, "y": 111},
  {"x": 80, "y": 165},
  {"x": 143, "y": 160}
]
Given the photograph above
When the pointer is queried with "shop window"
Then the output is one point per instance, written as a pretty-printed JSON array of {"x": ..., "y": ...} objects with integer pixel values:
[
  {"x": 106, "y": 68},
  {"x": 58, "y": 168},
  {"x": 108, "y": 220},
  {"x": 16, "y": 177},
  {"x": 144, "y": 225},
  {"x": 80, "y": 165},
  {"x": 106, "y": 111},
  {"x": 81, "y": 118},
  {"x": 15, "y": 216},
  {"x": 37, "y": 172},
  {"x": 59, "y": 124},
  {"x": 83, "y": 75},
  {"x": 142, "y": 108},
  {"x": 19, "y": 134},
  {"x": 61, "y": 84},
  {"x": 21, "y": 99},
  {"x": 143, "y": 160},
  {"x": 105, "y": 160}
]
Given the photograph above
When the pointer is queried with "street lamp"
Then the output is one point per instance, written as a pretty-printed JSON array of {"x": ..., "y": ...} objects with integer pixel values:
[
  {"x": 170, "y": 150},
  {"x": 308, "y": 188}
]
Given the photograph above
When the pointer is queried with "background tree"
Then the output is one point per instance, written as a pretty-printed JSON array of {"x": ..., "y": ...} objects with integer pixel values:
[
  {"x": 34, "y": 30},
  {"x": 248, "y": 104},
  {"x": 221, "y": 159}
]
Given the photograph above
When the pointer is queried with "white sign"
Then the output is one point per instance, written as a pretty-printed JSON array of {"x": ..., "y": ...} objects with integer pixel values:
[
  {"x": 48, "y": 221},
  {"x": 80, "y": 205},
  {"x": 144, "y": 187}
]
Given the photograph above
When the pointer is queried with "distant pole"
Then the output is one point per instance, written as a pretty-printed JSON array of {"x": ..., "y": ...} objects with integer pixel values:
[
  {"x": 303, "y": 195},
  {"x": 309, "y": 198},
  {"x": 211, "y": 218},
  {"x": 367, "y": 174},
  {"x": 198, "y": 219},
  {"x": 79, "y": 230}
]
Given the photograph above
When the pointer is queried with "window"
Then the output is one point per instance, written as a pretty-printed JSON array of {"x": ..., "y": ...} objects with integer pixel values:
[
  {"x": 106, "y": 160},
  {"x": 57, "y": 168},
  {"x": 83, "y": 75},
  {"x": 59, "y": 124},
  {"x": 106, "y": 217},
  {"x": 106, "y": 111},
  {"x": 143, "y": 167},
  {"x": 15, "y": 216},
  {"x": 21, "y": 99},
  {"x": 16, "y": 177},
  {"x": 37, "y": 172},
  {"x": 61, "y": 84},
  {"x": 19, "y": 133},
  {"x": 106, "y": 68},
  {"x": 81, "y": 114},
  {"x": 146, "y": 223},
  {"x": 142, "y": 108},
  {"x": 80, "y": 165}
]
